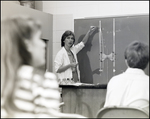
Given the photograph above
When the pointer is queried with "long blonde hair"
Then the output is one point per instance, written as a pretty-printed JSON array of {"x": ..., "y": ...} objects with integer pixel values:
[{"x": 14, "y": 53}]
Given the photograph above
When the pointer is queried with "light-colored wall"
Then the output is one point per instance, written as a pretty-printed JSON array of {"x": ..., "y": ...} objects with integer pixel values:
[
  {"x": 61, "y": 23},
  {"x": 81, "y": 9}
]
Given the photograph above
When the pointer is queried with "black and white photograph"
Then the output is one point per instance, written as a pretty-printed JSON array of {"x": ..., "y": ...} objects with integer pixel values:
[{"x": 74, "y": 59}]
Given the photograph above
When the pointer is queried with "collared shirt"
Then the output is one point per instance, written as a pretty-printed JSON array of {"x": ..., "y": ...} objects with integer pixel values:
[
  {"x": 62, "y": 59},
  {"x": 130, "y": 88}
]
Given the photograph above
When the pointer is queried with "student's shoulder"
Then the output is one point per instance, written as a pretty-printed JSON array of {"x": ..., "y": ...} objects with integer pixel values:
[
  {"x": 145, "y": 78},
  {"x": 116, "y": 78}
]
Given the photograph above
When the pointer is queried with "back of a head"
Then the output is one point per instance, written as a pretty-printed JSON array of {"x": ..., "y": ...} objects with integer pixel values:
[{"x": 137, "y": 55}]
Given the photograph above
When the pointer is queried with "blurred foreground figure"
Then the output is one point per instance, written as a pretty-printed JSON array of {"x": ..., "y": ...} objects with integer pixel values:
[
  {"x": 131, "y": 88},
  {"x": 26, "y": 91}
]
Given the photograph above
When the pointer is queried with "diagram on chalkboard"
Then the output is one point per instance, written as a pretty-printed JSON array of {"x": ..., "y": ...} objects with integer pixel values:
[{"x": 103, "y": 55}]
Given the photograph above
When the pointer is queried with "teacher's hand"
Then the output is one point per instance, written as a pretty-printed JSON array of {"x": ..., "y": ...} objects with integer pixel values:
[
  {"x": 92, "y": 29},
  {"x": 73, "y": 65}
]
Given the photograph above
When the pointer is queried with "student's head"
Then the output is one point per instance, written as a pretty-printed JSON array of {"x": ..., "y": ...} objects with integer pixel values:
[
  {"x": 21, "y": 40},
  {"x": 67, "y": 35},
  {"x": 137, "y": 55},
  {"x": 20, "y": 44}
]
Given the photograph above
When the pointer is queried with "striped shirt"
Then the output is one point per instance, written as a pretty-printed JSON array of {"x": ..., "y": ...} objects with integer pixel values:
[{"x": 36, "y": 93}]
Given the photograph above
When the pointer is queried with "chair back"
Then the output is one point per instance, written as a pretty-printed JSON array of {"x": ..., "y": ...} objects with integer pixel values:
[{"x": 122, "y": 112}]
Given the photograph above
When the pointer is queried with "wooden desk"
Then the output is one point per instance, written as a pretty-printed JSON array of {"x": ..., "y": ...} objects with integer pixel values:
[{"x": 84, "y": 100}]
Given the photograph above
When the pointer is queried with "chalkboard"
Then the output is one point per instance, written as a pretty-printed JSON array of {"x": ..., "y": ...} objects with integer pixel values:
[{"x": 111, "y": 39}]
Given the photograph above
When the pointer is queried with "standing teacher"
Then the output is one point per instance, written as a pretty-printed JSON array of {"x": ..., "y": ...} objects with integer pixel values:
[{"x": 66, "y": 63}]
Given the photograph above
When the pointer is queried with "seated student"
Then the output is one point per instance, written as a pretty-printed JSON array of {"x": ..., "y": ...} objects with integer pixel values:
[
  {"x": 131, "y": 88},
  {"x": 25, "y": 90}
]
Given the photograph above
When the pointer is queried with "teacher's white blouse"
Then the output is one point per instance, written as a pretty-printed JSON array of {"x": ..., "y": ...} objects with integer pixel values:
[{"x": 62, "y": 59}]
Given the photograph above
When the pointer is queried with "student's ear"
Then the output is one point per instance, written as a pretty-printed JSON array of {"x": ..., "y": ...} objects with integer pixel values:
[{"x": 126, "y": 63}]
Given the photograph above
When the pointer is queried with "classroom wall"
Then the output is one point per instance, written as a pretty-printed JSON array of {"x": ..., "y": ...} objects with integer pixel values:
[
  {"x": 61, "y": 23},
  {"x": 64, "y": 13},
  {"x": 81, "y": 9}
]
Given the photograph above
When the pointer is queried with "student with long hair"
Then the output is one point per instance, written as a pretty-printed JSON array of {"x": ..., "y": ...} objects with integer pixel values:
[{"x": 26, "y": 91}]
